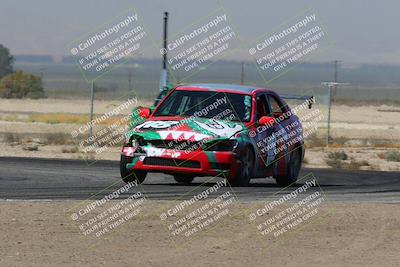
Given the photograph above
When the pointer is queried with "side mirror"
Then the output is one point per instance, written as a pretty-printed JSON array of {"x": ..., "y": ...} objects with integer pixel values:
[
  {"x": 267, "y": 121},
  {"x": 144, "y": 112}
]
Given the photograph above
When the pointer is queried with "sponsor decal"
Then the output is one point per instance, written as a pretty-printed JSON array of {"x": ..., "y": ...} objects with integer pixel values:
[
  {"x": 156, "y": 125},
  {"x": 154, "y": 151},
  {"x": 182, "y": 135},
  {"x": 158, "y": 152},
  {"x": 220, "y": 128}
]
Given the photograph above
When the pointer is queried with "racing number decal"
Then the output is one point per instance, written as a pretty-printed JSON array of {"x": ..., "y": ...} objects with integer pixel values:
[{"x": 214, "y": 124}]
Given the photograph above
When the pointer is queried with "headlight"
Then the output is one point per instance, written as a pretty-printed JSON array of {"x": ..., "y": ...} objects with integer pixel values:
[
  {"x": 220, "y": 145},
  {"x": 135, "y": 140}
]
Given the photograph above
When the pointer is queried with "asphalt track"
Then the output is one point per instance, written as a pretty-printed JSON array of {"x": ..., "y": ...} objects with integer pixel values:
[{"x": 33, "y": 179}]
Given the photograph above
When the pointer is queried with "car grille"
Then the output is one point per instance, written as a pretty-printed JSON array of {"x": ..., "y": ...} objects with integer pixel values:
[
  {"x": 175, "y": 145},
  {"x": 171, "y": 162}
]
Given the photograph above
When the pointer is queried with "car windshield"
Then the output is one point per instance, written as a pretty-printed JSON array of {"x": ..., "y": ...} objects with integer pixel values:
[{"x": 207, "y": 104}]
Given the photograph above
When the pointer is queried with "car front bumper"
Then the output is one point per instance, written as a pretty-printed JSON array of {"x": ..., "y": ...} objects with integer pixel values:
[{"x": 198, "y": 163}]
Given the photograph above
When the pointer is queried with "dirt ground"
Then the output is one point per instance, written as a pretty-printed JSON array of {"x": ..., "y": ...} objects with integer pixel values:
[
  {"x": 360, "y": 136},
  {"x": 74, "y": 106},
  {"x": 344, "y": 234},
  {"x": 349, "y": 121}
]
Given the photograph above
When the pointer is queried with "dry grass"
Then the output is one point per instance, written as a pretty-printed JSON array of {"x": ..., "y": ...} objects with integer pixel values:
[
  {"x": 58, "y": 118},
  {"x": 73, "y": 149},
  {"x": 10, "y": 138},
  {"x": 356, "y": 165},
  {"x": 390, "y": 156},
  {"x": 58, "y": 139},
  {"x": 340, "y": 160},
  {"x": 343, "y": 142},
  {"x": 53, "y": 118},
  {"x": 340, "y": 155},
  {"x": 314, "y": 141}
]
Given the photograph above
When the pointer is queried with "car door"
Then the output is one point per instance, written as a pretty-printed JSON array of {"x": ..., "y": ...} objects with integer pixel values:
[
  {"x": 265, "y": 136},
  {"x": 279, "y": 111}
]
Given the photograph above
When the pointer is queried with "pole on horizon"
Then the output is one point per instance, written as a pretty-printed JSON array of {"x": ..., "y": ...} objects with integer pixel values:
[
  {"x": 242, "y": 74},
  {"x": 129, "y": 79},
  {"x": 329, "y": 114},
  {"x": 335, "y": 78},
  {"x": 330, "y": 85},
  {"x": 91, "y": 111},
  {"x": 164, "y": 72}
]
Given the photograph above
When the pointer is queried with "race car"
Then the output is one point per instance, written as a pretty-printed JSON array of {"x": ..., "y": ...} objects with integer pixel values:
[{"x": 231, "y": 131}]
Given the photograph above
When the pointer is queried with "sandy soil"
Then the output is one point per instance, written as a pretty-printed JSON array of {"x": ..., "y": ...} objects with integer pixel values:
[
  {"x": 348, "y": 234},
  {"x": 361, "y": 128},
  {"x": 360, "y": 122},
  {"x": 380, "y": 122},
  {"x": 316, "y": 157},
  {"x": 378, "y": 115},
  {"x": 75, "y": 106}
]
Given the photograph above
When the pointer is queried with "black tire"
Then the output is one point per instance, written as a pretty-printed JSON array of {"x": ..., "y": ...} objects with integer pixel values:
[
  {"x": 183, "y": 179},
  {"x": 292, "y": 169},
  {"x": 130, "y": 176},
  {"x": 245, "y": 172}
]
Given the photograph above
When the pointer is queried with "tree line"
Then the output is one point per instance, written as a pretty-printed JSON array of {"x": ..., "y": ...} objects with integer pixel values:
[{"x": 17, "y": 84}]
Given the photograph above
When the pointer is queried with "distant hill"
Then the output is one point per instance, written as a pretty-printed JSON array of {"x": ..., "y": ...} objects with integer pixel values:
[{"x": 34, "y": 58}]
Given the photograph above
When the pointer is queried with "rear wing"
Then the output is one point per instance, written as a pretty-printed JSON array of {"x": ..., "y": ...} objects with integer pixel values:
[{"x": 309, "y": 99}]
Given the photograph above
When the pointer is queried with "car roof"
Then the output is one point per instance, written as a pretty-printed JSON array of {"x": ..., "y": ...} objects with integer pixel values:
[{"x": 220, "y": 86}]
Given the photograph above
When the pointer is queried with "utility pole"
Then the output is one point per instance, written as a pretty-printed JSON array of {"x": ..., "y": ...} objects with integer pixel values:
[
  {"x": 335, "y": 78},
  {"x": 164, "y": 74},
  {"x": 242, "y": 74},
  {"x": 330, "y": 85},
  {"x": 42, "y": 73},
  {"x": 329, "y": 114},
  {"x": 91, "y": 112},
  {"x": 129, "y": 79}
]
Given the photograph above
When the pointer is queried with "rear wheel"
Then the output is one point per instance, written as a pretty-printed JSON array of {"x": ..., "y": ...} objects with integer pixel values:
[
  {"x": 130, "y": 176},
  {"x": 292, "y": 169},
  {"x": 183, "y": 179},
  {"x": 245, "y": 172}
]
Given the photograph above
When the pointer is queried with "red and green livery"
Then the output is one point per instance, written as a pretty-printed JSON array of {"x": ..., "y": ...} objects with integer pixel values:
[{"x": 215, "y": 129}]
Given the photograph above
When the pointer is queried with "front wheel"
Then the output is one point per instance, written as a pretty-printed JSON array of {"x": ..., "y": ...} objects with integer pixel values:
[
  {"x": 292, "y": 169},
  {"x": 130, "y": 176},
  {"x": 183, "y": 179},
  {"x": 245, "y": 171}
]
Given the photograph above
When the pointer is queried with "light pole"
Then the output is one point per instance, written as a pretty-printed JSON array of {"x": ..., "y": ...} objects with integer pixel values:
[
  {"x": 330, "y": 85},
  {"x": 129, "y": 79},
  {"x": 242, "y": 74},
  {"x": 164, "y": 72},
  {"x": 91, "y": 111}
]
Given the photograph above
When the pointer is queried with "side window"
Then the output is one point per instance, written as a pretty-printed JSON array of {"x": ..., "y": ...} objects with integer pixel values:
[
  {"x": 262, "y": 106},
  {"x": 276, "y": 108}
]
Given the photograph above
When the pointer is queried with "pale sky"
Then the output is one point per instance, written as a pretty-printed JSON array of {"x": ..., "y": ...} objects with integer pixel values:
[{"x": 362, "y": 31}]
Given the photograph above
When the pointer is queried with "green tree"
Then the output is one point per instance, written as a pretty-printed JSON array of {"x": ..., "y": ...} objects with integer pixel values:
[
  {"x": 6, "y": 61},
  {"x": 21, "y": 85}
]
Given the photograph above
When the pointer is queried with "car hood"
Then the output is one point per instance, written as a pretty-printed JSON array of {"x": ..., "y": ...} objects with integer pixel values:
[{"x": 193, "y": 129}]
